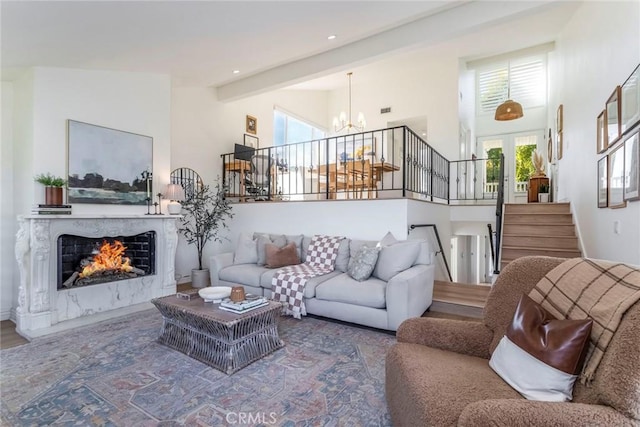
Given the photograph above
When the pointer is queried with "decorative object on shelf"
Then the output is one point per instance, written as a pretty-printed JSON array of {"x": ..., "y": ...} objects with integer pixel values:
[
  {"x": 188, "y": 179},
  {"x": 205, "y": 215},
  {"x": 603, "y": 182},
  {"x": 105, "y": 165},
  {"x": 612, "y": 117},
  {"x": 344, "y": 122},
  {"x": 251, "y": 141},
  {"x": 616, "y": 178},
  {"x": 175, "y": 194},
  {"x": 147, "y": 176},
  {"x": 158, "y": 204},
  {"x": 252, "y": 125},
  {"x": 509, "y": 109},
  {"x": 53, "y": 185},
  {"x": 559, "y": 118},
  {"x": 538, "y": 164},
  {"x": 632, "y": 166},
  {"x": 543, "y": 193},
  {"x": 630, "y": 101},
  {"x": 602, "y": 137}
]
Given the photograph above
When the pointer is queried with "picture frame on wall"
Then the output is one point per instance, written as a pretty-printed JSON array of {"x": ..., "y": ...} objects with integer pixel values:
[
  {"x": 630, "y": 101},
  {"x": 603, "y": 194},
  {"x": 602, "y": 137},
  {"x": 251, "y": 141},
  {"x": 616, "y": 178},
  {"x": 108, "y": 166},
  {"x": 252, "y": 125},
  {"x": 632, "y": 166},
  {"x": 559, "y": 119},
  {"x": 612, "y": 117},
  {"x": 559, "y": 149}
]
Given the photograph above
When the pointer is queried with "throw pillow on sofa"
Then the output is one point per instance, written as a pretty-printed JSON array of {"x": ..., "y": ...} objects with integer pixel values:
[
  {"x": 262, "y": 239},
  {"x": 361, "y": 265},
  {"x": 396, "y": 258},
  {"x": 540, "y": 356},
  {"x": 246, "y": 250},
  {"x": 276, "y": 257}
]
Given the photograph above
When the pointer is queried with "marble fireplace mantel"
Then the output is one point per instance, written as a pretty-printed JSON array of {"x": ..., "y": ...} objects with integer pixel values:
[{"x": 43, "y": 309}]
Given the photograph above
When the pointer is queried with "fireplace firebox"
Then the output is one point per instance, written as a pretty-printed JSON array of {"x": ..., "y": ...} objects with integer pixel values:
[{"x": 84, "y": 261}]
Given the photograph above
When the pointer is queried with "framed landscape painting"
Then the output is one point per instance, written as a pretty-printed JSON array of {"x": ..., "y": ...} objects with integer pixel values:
[{"x": 108, "y": 166}]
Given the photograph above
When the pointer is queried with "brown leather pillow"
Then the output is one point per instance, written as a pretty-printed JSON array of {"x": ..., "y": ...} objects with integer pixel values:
[
  {"x": 562, "y": 344},
  {"x": 276, "y": 257}
]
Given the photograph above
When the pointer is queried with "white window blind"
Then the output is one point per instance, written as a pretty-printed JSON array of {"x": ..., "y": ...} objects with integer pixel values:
[{"x": 524, "y": 82}]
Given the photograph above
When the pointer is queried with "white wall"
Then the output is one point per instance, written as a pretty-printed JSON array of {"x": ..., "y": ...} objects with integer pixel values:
[
  {"x": 589, "y": 65},
  {"x": 43, "y": 100},
  {"x": 411, "y": 88},
  {"x": 7, "y": 224},
  {"x": 356, "y": 219}
]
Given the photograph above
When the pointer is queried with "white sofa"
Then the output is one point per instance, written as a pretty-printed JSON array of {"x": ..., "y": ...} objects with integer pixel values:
[{"x": 378, "y": 303}]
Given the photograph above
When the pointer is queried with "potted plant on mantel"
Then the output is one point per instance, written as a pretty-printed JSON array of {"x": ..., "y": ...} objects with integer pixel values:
[
  {"x": 53, "y": 188},
  {"x": 204, "y": 217}
]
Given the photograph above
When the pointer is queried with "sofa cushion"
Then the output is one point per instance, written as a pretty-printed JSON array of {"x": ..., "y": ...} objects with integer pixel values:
[
  {"x": 396, "y": 258},
  {"x": 361, "y": 265},
  {"x": 309, "y": 288},
  {"x": 246, "y": 250},
  {"x": 541, "y": 356},
  {"x": 342, "y": 288},
  {"x": 243, "y": 274},
  {"x": 276, "y": 257}
]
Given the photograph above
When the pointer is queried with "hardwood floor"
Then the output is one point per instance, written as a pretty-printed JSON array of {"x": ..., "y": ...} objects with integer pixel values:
[
  {"x": 8, "y": 335},
  {"x": 450, "y": 301}
]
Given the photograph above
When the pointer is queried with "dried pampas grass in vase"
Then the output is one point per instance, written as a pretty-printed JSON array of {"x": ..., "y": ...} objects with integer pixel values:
[{"x": 538, "y": 164}]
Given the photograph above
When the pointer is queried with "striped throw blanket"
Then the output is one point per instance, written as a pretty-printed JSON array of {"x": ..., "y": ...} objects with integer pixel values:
[
  {"x": 580, "y": 288},
  {"x": 289, "y": 282}
]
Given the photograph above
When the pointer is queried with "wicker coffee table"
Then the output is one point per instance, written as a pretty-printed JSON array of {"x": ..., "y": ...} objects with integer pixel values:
[{"x": 223, "y": 340}]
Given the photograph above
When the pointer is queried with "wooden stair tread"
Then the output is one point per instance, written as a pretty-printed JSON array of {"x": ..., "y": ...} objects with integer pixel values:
[
  {"x": 460, "y": 293},
  {"x": 538, "y": 248}
]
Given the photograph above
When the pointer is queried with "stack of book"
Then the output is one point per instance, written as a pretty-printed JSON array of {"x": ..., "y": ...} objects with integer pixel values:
[
  {"x": 248, "y": 304},
  {"x": 51, "y": 210}
]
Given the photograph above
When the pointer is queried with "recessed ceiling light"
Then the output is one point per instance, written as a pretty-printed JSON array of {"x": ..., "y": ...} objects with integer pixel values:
[
  {"x": 236, "y": 71},
  {"x": 332, "y": 37},
  {"x": 424, "y": 134}
]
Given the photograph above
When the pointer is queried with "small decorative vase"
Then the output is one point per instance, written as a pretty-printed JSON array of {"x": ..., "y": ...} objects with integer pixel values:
[
  {"x": 237, "y": 294},
  {"x": 53, "y": 195},
  {"x": 200, "y": 278}
]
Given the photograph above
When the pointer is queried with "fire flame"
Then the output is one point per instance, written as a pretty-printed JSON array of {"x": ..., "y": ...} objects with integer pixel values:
[{"x": 110, "y": 257}]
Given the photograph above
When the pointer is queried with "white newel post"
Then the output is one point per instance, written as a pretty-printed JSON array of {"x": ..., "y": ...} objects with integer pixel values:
[{"x": 42, "y": 308}]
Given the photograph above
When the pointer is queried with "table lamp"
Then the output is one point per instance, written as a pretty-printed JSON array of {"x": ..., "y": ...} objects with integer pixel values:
[{"x": 175, "y": 193}]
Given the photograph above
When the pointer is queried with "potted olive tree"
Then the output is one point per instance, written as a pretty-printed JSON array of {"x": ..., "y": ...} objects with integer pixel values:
[
  {"x": 204, "y": 216},
  {"x": 53, "y": 188}
]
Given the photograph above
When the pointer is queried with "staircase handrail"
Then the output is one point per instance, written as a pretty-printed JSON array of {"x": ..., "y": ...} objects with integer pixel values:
[
  {"x": 441, "y": 250},
  {"x": 499, "y": 213}
]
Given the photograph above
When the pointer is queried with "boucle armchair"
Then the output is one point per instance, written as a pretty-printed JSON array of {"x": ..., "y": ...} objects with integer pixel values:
[{"x": 438, "y": 372}]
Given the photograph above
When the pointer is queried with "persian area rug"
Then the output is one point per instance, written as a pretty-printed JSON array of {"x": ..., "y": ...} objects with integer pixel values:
[{"x": 115, "y": 374}]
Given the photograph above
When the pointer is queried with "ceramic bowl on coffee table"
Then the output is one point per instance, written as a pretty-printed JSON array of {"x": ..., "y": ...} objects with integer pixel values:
[{"x": 214, "y": 293}]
